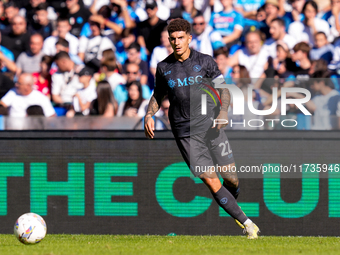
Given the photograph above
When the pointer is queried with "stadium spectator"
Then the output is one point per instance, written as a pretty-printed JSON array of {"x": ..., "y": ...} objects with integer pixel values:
[
  {"x": 91, "y": 49},
  {"x": 322, "y": 49},
  {"x": 221, "y": 58},
  {"x": 333, "y": 18},
  {"x": 42, "y": 79},
  {"x": 135, "y": 105},
  {"x": 301, "y": 55},
  {"x": 240, "y": 76},
  {"x": 77, "y": 15},
  {"x": 160, "y": 52},
  {"x": 63, "y": 31},
  {"x": 5, "y": 84},
  {"x": 188, "y": 10},
  {"x": 272, "y": 10},
  {"x": 228, "y": 23},
  {"x": 133, "y": 73},
  {"x": 109, "y": 68},
  {"x": 7, "y": 64},
  {"x": 247, "y": 8},
  {"x": 23, "y": 96},
  {"x": 105, "y": 104},
  {"x": 123, "y": 17},
  {"x": 126, "y": 39},
  {"x": 253, "y": 57},
  {"x": 204, "y": 39},
  {"x": 278, "y": 33},
  {"x": 83, "y": 98},
  {"x": 149, "y": 31},
  {"x": 304, "y": 31},
  {"x": 11, "y": 10},
  {"x": 297, "y": 12},
  {"x": 16, "y": 40},
  {"x": 325, "y": 103},
  {"x": 6, "y": 53},
  {"x": 134, "y": 57},
  {"x": 34, "y": 110},
  {"x": 41, "y": 24},
  {"x": 65, "y": 82},
  {"x": 63, "y": 45},
  {"x": 29, "y": 11},
  {"x": 29, "y": 62}
]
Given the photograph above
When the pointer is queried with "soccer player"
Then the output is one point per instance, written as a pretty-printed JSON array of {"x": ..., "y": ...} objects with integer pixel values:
[{"x": 185, "y": 76}]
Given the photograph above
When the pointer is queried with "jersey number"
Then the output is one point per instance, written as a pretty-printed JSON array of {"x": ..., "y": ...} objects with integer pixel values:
[{"x": 226, "y": 148}]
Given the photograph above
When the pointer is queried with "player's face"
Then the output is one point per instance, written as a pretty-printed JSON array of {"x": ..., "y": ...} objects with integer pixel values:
[{"x": 180, "y": 42}]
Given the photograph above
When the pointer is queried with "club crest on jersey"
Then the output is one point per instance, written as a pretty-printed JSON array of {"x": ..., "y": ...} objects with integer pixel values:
[
  {"x": 171, "y": 83},
  {"x": 197, "y": 68}
]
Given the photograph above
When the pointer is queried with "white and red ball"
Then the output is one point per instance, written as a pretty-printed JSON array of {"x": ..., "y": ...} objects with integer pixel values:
[{"x": 30, "y": 228}]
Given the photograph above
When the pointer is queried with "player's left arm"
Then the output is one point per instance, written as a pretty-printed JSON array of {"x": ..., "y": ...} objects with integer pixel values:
[{"x": 225, "y": 99}]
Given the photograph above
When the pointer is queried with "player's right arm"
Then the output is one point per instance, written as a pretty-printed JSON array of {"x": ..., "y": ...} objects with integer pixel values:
[{"x": 154, "y": 104}]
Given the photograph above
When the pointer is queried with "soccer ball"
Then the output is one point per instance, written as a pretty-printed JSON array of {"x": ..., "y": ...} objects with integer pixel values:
[{"x": 30, "y": 228}]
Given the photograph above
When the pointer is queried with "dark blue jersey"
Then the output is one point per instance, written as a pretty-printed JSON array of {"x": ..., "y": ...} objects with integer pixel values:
[{"x": 184, "y": 83}]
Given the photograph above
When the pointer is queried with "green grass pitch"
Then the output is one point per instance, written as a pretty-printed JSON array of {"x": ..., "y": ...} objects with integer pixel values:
[{"x": 137, "y": 245}]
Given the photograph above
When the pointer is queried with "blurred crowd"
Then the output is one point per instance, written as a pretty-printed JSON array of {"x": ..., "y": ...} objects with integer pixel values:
[{"x": 99, "y": 57}]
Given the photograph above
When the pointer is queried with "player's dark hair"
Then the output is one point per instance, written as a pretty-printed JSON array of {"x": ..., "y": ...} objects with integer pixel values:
[
  {"x": 104, "y": 96},
  {"x": 279, "y": 21},
  {"x": 313, "y": 4},
  {"x": 41, "y": 7},
  {"x": 178, "y": 24},
  {"x": 35, "y": 110},
  {"x": 221, "y": 51},
  {"x": 134, "y": 45},
  {"x": 61, "y": 55},
  {"x": 140, "y": 99},
  {"x": 62, "y": 42}
]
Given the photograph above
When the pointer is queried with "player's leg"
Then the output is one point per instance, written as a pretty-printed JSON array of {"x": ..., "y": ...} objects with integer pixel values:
[
  {"x": 230, "y": 179},
  {"x": 223, "y": 158}
]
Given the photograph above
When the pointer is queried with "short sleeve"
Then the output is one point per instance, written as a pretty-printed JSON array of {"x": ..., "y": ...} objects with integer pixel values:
[
  {"x": 8, "y": 98},
  {"x": 160, "y": 89},
  {"x": 213, "y": 70},
  {"x": 239, "y": 23},
  {"x": 47, "y": 106}
]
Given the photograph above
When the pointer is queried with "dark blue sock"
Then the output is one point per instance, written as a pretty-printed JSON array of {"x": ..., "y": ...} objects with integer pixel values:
[
  {"x": 234, "y": 191},
  {"x": 226, "y": 200}
]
